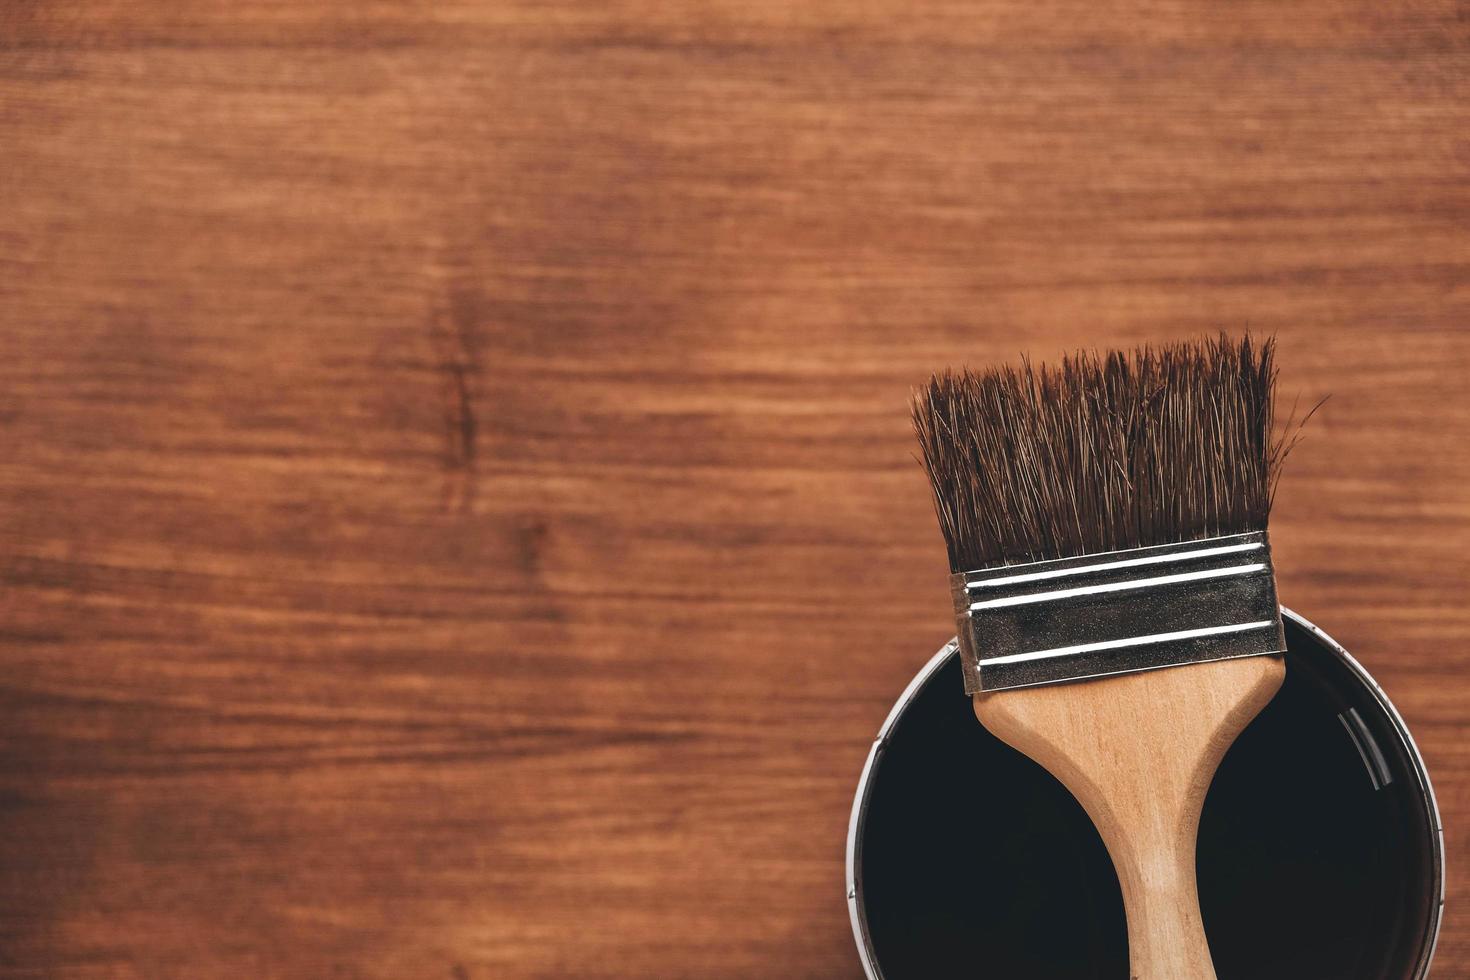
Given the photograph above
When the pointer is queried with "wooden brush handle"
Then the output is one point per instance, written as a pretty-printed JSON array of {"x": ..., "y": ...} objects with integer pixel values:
[{"x": 1138, "y": 752}]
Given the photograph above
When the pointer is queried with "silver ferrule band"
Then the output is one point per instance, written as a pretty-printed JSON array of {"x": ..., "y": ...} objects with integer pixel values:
[{"x": 1117, "y": 612}]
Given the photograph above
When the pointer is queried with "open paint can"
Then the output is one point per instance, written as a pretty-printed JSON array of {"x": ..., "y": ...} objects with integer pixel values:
[{"x": 1320, "y": 852}]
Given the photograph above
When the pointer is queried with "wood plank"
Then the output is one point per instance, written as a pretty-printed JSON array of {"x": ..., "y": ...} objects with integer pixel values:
[{"x": 437, "y": 437}]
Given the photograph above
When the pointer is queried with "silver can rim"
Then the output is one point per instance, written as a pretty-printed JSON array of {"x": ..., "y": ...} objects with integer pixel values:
[{"x": 860, "y": 800}]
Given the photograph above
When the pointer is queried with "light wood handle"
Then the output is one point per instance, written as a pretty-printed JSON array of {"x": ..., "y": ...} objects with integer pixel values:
[
  {"x": 1155, "y": 861},
  {"x": 1138, "y": 752}
]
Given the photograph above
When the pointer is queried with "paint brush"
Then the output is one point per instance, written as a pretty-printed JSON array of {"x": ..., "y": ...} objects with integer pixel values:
[{"x": 1106, "y": 526}]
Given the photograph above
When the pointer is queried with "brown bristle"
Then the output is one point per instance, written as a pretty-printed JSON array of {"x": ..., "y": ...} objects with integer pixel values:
[{"x": 1106, "y": 451}]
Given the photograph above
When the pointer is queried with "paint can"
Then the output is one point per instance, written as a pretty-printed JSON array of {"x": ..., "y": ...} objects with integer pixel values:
[{"x": 1320, "y": 850}]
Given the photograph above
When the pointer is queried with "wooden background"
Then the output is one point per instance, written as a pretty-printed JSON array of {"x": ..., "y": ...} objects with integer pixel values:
[{"x": 457, "y": 517}]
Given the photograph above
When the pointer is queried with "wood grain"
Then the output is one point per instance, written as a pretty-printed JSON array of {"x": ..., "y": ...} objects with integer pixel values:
[{"x": 457, "y": 515}]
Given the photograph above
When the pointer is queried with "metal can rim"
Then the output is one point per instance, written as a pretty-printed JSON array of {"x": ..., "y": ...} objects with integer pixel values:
[{"x": 860, "y": 799}]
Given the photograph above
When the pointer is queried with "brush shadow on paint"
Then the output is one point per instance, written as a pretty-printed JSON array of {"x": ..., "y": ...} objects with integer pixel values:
[{"x": 1317, "y": 852}]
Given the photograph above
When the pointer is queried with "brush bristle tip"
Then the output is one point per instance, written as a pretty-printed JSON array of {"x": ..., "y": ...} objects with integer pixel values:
[{"x": 1101, "y": 452}]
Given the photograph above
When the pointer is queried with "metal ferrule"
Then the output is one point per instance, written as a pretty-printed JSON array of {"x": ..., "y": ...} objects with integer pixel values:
[{"x": 1117, "y": 612}]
